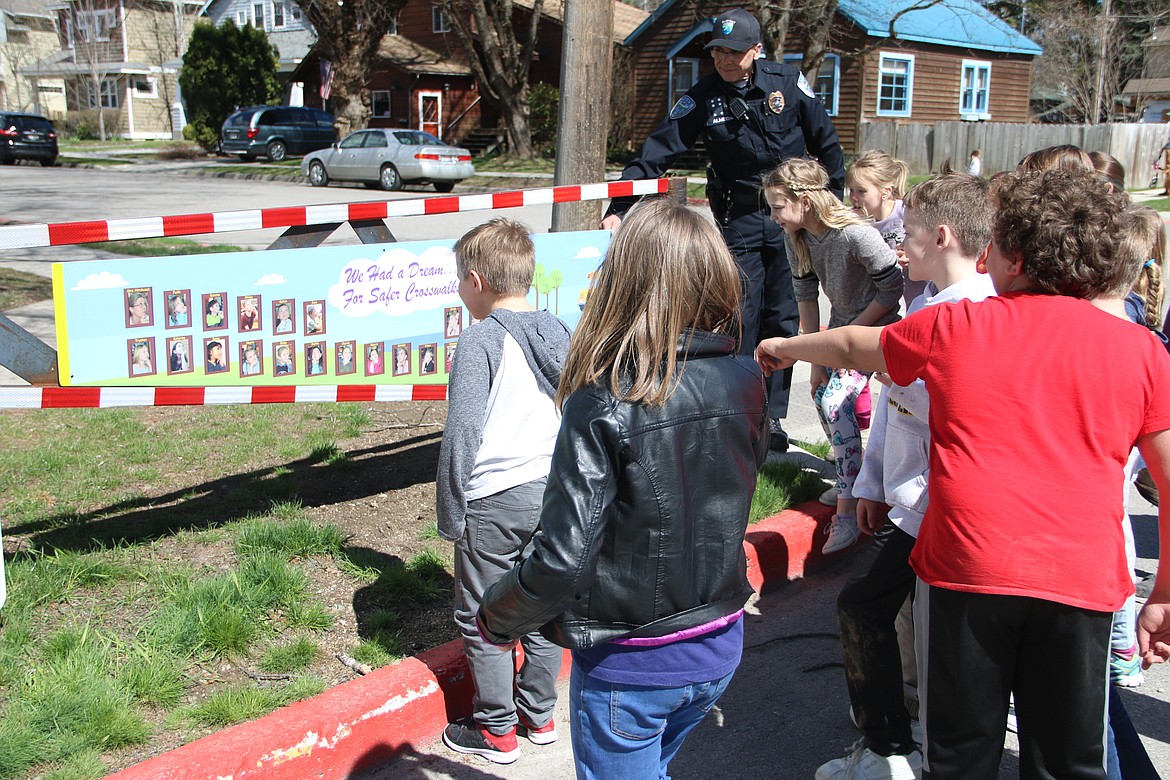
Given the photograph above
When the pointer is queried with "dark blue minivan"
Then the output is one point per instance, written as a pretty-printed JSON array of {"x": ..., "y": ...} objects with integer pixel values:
[{"x": 276, "y": 132}]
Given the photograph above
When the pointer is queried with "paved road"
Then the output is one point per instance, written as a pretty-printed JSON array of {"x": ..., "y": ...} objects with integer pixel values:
[
  {"x": 70, "y": 194},
  {"x": 785, "y": 712}
]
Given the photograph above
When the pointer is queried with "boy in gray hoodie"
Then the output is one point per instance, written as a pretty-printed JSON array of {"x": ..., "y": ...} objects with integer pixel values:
[
  {"x": 493, "y": 462},
  {"x": 948, "y": 228}
]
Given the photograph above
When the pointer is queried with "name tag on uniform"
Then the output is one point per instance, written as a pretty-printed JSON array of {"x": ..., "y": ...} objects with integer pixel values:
[{"x": 717, "y": 111}]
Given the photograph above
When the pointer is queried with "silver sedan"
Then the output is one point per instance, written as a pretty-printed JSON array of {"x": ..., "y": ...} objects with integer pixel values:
[{"x": 388, "y": 159}]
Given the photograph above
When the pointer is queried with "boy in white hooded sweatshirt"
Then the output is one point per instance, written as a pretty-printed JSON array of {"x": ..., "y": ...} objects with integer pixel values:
[{"x": 948, "y": 228}]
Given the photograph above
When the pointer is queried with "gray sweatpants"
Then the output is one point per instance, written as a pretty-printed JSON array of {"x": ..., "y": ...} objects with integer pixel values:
[{"x": 499, "y": 535}]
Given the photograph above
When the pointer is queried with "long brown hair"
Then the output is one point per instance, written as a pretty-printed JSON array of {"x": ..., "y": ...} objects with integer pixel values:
[{"x": 667, "y": 272}]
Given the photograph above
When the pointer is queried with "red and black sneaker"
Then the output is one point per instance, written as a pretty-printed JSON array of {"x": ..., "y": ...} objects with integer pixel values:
[
  {"x": 545, "y": 735},
  {"x": 466, "y": 736}
]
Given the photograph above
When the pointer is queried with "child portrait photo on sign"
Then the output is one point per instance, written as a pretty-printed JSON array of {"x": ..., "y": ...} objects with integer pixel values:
[
  {"x": 401, "y": 360},
  {"x": 314, "y": 318},
  {"x": 249, "y": 307},
  {"x": 282, "y": 316},
  {"x": 138, "y": 307},
  {"x": 215, "y": 355},
  {"x": 141, "y": 356},
  {"x": 214, "y": 317},
  {"x": 179, "y": 355},
  {"x": 426, "y": 360},
  {"x": 452, "y": 321},
  {"x": 374, "y": 364},
  {"x": 178, "y": 308},
  {"x": 345, "y": 360},
  {"x": 251, "y": 358},
  {"x": 315, "y": 358},
  {"x": 283, "y": 359}
]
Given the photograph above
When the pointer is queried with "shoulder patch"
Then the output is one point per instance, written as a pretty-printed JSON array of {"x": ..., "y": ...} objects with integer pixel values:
[
  {"x": 802, "y": 82},
  {"x": 684, "y": 106}
]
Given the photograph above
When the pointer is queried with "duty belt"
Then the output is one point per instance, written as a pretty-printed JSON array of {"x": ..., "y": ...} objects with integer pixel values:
[{"x": 747, "y": 198}]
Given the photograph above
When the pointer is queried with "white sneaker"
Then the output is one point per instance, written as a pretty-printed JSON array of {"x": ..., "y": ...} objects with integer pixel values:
[
  {"x": 864, "y": 764},
  {"x": 829, "y": 497},
  {"x": 842, "y": 533}
]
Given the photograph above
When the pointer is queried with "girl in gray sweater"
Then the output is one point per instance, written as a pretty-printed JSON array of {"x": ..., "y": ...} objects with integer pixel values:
[{"x": 832, "y": 248}]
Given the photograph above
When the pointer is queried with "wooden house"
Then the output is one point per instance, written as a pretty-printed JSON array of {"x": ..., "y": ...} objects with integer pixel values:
[
  {"x": 1151, "y": 92},
  {"x": 122, "y": 56},
  {"x": 28, "y": 32},
  {"x": 422, "y": 79},
  {"x": 952, "y": 61}
]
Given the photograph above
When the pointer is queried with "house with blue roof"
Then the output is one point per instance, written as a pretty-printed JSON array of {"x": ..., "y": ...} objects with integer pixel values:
[{"x": 952, "y": 61}]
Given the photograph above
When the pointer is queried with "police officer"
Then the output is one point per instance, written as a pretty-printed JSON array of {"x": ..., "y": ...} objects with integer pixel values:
[{"x": 753, "y": 115}]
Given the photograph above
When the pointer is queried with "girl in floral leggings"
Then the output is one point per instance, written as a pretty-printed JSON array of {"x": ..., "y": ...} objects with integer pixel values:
[{"x": 830, "y": 246}]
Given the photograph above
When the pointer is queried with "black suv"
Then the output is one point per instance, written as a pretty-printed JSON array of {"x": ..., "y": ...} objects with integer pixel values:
[
  {"x": 276, "y": 132},
  {"x": 27, "y": 137}
]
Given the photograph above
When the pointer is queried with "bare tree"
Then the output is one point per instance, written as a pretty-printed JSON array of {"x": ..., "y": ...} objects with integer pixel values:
[
  {"x": 500, "y": 56},
  {"x": 1091, "y": 49},
  {"x": 166, "y": 37},
  {"x": 95, "y": 28},
  {"x": 814, "y": 18},
  {"x": 348, "y": 34}
]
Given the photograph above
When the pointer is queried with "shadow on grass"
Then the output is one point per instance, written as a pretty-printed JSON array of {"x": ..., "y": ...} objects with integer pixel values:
[
  {"x": 404, "y": 595},
  {"x": 316, "y": 480}
]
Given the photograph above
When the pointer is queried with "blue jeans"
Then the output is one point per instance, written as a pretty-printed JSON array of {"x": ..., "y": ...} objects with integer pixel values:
[{"x": 631, "y": 730}]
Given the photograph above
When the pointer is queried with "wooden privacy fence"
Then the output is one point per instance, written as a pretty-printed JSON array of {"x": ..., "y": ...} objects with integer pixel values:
[{"x": 926, "y": 146}]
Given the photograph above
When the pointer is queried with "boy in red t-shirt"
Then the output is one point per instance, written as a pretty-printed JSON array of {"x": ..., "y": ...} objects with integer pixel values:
[{"x": 1021, "y": 556}]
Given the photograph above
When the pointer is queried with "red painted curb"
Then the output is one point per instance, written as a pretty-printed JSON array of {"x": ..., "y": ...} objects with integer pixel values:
[{"x": 366, "y": 722}]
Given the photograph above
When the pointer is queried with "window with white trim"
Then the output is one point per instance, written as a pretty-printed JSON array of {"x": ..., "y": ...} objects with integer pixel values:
[
  {"x": 96, "y": 25},
  {"x": 380, "y": 102},
  {"x": 278, "y": 15},
  {"x": 895, "y": 84},
  {"x": 684, "y": 74},
  {"x": 107, "y": 94},
  {"x": 439, "y": 21},
  {"x": 827, "y": 84},
  {"x": 296, "y": 12},
  {"x": 258, "y": 16},
  {"x": 242, "y": 17},
  {"x": 975, "y": 90},
  {"x": 144, "y": 86}
]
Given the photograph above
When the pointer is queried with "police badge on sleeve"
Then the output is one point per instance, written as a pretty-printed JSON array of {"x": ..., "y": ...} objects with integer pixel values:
[{"x": 683, "y": 107}]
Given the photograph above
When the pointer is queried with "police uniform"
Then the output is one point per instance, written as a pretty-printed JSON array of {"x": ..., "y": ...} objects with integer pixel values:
[{"x": 779, "y": 117}]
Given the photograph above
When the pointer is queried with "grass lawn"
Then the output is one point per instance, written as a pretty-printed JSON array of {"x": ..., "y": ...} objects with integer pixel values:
[
  {"x": 18, "y": 288},
  {"x": 172, "y": 571},
  {"x": 162, "y": 247}
]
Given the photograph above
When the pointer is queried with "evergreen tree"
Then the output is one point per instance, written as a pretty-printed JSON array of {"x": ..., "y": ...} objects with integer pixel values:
[{"x": 225, "y": 67}]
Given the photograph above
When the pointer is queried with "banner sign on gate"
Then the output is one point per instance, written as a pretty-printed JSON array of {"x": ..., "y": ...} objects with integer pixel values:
[{"x": 356, "y": 314}]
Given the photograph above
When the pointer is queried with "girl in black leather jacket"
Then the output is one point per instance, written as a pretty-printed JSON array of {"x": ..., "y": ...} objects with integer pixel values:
[{"x": 639, "y": 565}]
